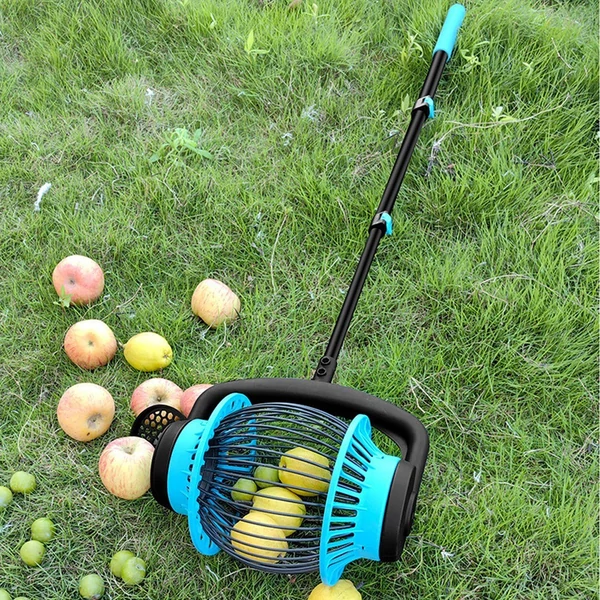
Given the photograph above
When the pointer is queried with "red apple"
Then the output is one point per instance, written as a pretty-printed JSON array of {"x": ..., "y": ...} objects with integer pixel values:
[
  {"x": 215, "y": 303},
  {"x": 90, "y": 344},
  {"x": 124, "y": 467},
  {"x": 85, "y": 411},
  {"x": 155, "y": 391},
  {"x": 78, "y": 279},
  {"x": 189, "y": 397}
]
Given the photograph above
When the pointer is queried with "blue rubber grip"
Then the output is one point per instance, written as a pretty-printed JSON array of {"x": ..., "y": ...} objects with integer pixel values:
[{"x": 452, "y": 24}]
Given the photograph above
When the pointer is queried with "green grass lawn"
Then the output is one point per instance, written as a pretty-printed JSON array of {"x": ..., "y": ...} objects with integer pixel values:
[{"x": 479, "y": 314}]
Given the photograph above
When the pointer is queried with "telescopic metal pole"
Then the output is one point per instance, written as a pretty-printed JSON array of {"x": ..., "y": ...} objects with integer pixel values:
[{"x": 382, "y": 222}]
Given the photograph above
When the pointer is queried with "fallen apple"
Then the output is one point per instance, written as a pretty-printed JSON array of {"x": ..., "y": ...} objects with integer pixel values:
[
  {"x": 90, "y": 344},
  {"x": 4, "y": 595},
  {"x": 215, "y": 303},
  {"x": 342, "y": 590},
  {"x": 22, "y": 482},
  {"x": 133, "y": 571},
  {"x": 6, "y": 497},
  {"x": 78, "y": 280},
  {"x": 189, "y": 397},
  {"x": 124, "y": 467},
  {"x": 155, "y": 391},
  {"x": 85, "y": 411},
  {"x": 42, "y": 530},
  {"x": 91, "y": 587},
  {"x": 32, "y": 552},
  {"x": 118, "y": 560}
]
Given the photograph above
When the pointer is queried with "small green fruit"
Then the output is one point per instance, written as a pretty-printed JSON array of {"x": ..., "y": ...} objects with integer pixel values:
[
  {"x": 5, "y": 499},
  {"x": 4, "y": 595},
  {"x": 91, "y": 587},
  {"x": 270, "y": 475},
  {"x": 22, "y": 598},
  {"x": 118, "y": 560},
  {"x": 42, "y": 530},
  {"x": 134, "y": 571},
  {"x": 243, "y": 490},
  {"x": 22, "y": 482},
  {"x": 32, "y": 552}
]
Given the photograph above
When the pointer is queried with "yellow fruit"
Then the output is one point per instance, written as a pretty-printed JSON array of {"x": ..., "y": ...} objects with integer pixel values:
[
  {"x": 248, "y": 538},
  {"x": 43, "y": 530},
  {"x": 342, "y": 590},
  {"x": 118, "y": 560},
  {"x": 308, "y": 475},
  {"x": 148, "y": 352},
  {"x": 32, "y": 552},
  {"x": 133, "y": 571},
  {"x": 273, "y": 500}
]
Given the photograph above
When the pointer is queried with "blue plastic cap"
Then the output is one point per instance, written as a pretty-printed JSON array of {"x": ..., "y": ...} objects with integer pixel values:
[{"x": 449, "y": 32}]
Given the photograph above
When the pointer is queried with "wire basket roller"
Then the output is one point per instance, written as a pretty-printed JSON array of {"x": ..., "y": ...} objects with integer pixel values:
[{"x": 315, "y": 488}]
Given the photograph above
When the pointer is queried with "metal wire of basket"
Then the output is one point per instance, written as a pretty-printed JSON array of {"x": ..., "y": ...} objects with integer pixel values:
[{"x": 259, "y": 436}]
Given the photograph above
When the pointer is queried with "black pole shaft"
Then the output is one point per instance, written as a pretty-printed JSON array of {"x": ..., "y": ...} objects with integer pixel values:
[{"x": 327, "y": 365}]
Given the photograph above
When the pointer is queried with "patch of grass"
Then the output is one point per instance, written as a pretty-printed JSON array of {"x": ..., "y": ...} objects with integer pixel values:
[{"x": 479, "y": 314}]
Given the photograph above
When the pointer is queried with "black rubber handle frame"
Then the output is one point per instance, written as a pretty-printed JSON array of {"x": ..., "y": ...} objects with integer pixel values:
[{"x": 400, "y": 426}]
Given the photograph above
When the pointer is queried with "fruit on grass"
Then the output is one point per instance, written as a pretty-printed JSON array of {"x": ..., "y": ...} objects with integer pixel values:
[
  {"x": 118, "y": 560},
  {"x": 4, "y": 595},
  {"x": 249, "y": 538},
  {"x": 43, "y": 530},
  {"x": 90, "y": 344},
  {"x": 22, "y": 482},
  {"x": 85, "y": 411},
  {"x": 189, "y": 397},
  {"x": 243, "y": 490},
  {"x": 124, "y": 467},
  {"x": 32, "y": 552},
  {"x": 303, "y": 473},
  {"x": 78, "y": 280},
  {"x": 342, "y": 590},
  {"x": 133, "y": 571},
  {"x": 265, "y": 476},
  {"x": 215, "y": 303},
  {"x": 155, "y": 391},
  {"x": 6, "y": 497},
  {"x": 91, "y": 587},
  {"x": 148, "y": 351},
  {"x": 273, "y": 500}
]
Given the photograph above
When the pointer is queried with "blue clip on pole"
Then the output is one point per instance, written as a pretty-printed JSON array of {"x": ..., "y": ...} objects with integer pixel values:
[{"x": 452, "y": 24}]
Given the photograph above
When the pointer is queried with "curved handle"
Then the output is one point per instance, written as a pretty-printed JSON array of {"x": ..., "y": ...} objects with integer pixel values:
[
  {"x": 449, "y": 32},
  {"x": 400, "y": 426}
]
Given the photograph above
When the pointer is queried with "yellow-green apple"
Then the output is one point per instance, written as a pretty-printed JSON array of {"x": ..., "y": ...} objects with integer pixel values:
[
  {"x": 215, "y": 303},
  {"x": 124, "y": 467},
  {"x": 90, "y": 344},
  {"x": 155, "y": 391},
  {"x": 189, "y": 397},
  {"x": 85, "y": 411},
  {"x": 78, "y": 280}
]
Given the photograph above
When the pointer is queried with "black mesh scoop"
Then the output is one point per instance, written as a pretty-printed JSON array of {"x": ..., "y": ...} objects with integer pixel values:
[{"x": 151, "y": 422}]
